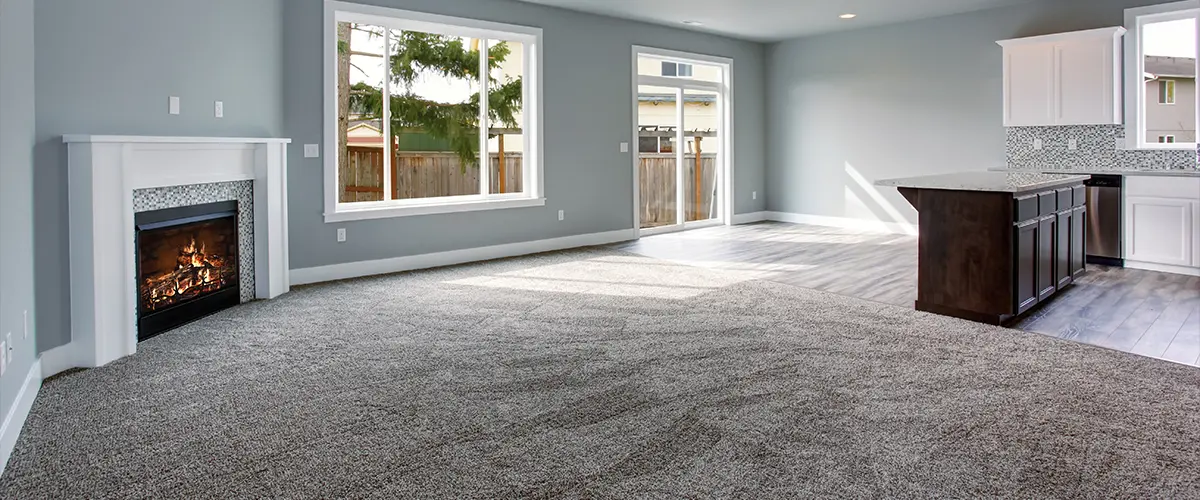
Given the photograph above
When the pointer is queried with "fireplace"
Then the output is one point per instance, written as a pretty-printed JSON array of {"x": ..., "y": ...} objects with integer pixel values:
[{"x": 187, "y": 264}]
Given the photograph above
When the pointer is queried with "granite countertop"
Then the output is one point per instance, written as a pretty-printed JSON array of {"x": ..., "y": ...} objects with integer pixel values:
[
  {"x": 1085, "y": 171},
  {"x": 1002, "y": 182}
]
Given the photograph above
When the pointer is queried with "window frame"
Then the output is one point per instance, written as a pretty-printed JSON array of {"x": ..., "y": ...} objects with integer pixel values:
[
  {"x": 727, "y": 166},
  {"x": 533, "y": 186},
  {"x": 1136, "y": 136},
  {"x": 1166, "y": 87}
]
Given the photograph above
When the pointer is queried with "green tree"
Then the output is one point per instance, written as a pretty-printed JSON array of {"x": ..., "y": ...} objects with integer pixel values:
[{"x": 413, "y": 54}]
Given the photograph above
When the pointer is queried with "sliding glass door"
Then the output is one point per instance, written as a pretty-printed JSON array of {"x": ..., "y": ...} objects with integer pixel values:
[{"x": 681, "y": 165}]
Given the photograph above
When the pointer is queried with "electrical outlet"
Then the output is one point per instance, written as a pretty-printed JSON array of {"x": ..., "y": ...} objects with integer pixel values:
[
  {"x": 219, "y": 109},
  {"x": 173, "y": 105},
  {"x": 312, "y": 150},
  {"x": 1072, "y": 144},
  {"x": 341, "y": 235},
  {"x": 754, "y": 195},
  {"x": 624, "y": 147},
  {"x": 1037, "y": 144},
  {"x": 561, "y": 215}
]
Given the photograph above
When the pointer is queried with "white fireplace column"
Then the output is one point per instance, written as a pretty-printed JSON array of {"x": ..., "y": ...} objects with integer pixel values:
[{"x": 102, "y": 174}]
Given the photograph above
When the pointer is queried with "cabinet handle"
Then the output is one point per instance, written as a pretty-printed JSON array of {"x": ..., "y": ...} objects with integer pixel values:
[{"x": 1027, "y": 223}]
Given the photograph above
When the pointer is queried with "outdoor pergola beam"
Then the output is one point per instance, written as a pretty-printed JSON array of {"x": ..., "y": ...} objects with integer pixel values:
[{"x": 671, "y": 133}]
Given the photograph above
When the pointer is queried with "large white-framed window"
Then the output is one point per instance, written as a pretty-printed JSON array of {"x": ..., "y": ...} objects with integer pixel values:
[
  {"x": 428, "y": 114},
  {"x": 1160, "y": 75}
]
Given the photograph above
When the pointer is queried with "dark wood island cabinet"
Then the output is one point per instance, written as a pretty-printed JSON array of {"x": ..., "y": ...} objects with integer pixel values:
[{"x": 993, "y": 245}]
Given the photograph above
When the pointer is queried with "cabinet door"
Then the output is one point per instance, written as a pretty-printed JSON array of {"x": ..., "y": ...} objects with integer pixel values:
[
  {"x": 1083, "y": 89},
  {"x": 1159, "y": 230},
  {"x": 1062, "y": 250},
  {"x": 1028, "y": 85},
  {"x": 1047, "y": 256},
  {"x": 1078, "y": 242},
  {"x": 1026, "y": 265}
]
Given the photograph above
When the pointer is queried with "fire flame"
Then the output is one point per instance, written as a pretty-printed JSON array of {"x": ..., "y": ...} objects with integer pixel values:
[{"x": 196, "y": 272}]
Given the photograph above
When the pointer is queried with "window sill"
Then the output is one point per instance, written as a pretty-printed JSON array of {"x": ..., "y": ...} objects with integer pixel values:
[
  {"x": 1174, "y": 146},
  {"x": 388, "y": 212}
]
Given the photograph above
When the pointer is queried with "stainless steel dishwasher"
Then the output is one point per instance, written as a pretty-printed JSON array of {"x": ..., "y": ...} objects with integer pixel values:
[{"x": 1105, "y": 243}]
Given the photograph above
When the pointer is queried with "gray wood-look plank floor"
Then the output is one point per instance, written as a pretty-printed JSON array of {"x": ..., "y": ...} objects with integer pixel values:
[{"x": 1144, "y": 312}]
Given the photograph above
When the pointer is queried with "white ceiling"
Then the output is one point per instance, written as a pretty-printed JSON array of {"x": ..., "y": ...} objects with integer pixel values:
[{"x": 774, "y": 20}]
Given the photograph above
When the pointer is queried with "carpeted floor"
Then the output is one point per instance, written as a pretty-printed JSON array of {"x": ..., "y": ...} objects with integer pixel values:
[{"x": 602, "y": 374}]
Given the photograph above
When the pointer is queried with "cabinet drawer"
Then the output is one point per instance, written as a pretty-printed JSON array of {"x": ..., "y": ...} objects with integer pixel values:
[
  {"x": 1047, "y": 203},
  {"x": 1025, "y": 208},
  {"x": 1079, "y": 196},
  {"x": 1162, "y": 186},
  {"x": 1064, "y": 199}
]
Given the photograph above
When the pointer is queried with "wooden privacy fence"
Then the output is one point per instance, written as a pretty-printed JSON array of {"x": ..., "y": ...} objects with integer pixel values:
[
  {"x": 431, "y": 174},
  {"x": 657, "y": 186},
  {"x": 419, "y": 174}
]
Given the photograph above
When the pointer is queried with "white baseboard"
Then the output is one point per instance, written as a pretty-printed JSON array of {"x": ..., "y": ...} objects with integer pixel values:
[
  {"x": 1163, "y": 268},
  {"x": 58, "y": 360},
  {"x": 845, "y": 222},
  {"x": 424, "y": 261},
  {"x": 749, "y": 218},
  {"x": 11, "y": 428}
]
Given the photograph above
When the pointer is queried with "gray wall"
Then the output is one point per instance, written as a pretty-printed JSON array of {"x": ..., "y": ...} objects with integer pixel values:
[
  {"x": 108, "y": 67},
  {"x": 16, "y": 182},
  {"x": 909, "y": 99},
  {"x": 588, "y": 111}
]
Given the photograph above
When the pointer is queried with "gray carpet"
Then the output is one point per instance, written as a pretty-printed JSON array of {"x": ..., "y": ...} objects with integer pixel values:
[{"x": 597, "y": 373}]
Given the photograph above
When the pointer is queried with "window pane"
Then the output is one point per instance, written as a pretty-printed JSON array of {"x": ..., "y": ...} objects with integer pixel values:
[
  {"x": 506, "y": 139},
  {"x": 669, "y": 69},
  {"x": 435, "y": 115},
  {"x": 657, "y": 127},
  {"x": 360, "y": 73},
  {"x": 701, "y": 123},
  {"x": 1169, "y": 55}
]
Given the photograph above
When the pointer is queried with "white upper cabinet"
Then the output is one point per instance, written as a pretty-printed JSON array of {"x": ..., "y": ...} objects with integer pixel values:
[{"x": 1063, "y": 79}]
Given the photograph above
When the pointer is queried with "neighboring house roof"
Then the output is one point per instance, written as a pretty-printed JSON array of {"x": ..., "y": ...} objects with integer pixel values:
[
  {"x": 375, "y": 124},
  {"x": 1176, "y": 67}
]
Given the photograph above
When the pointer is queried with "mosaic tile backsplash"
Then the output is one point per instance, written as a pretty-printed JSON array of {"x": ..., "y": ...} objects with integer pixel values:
[
  {"x": 1096, "y": 150},
  {"x": 195, "y": 194}
]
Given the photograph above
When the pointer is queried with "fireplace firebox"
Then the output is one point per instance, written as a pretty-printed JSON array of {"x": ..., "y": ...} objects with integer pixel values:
[{"x": 187, "y": 264}]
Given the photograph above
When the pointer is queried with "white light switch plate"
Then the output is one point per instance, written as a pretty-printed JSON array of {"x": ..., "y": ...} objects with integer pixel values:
[
  {"x": 561, "y": 214},
  {"x": 173, "y": 105},
  {"x": 1072, "y": 144},
  {"x": 1037, "y": 144},
  {"x": 3, "y": 362},
  {"x": 312, "y": 150},
  {"x": 624, "y": 147},
  {"x": 341, "y": 235},
  {"x": 219, "y": 109}
]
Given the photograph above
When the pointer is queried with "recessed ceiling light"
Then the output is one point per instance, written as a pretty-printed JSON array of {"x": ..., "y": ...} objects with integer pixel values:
[
  {"x": 693, "y": 23},
  {"x": 848, "y": 16}
]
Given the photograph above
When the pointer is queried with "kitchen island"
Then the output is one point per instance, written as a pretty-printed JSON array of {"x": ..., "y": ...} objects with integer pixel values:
[{"x": 993, "y": 245}]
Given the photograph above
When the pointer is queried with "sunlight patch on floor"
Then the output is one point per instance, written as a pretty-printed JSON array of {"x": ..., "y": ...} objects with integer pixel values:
[{"x": 630, "y": 276}]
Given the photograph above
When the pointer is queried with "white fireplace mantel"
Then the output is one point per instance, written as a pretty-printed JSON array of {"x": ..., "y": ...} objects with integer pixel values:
[{"x": 102, "y": 173}]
